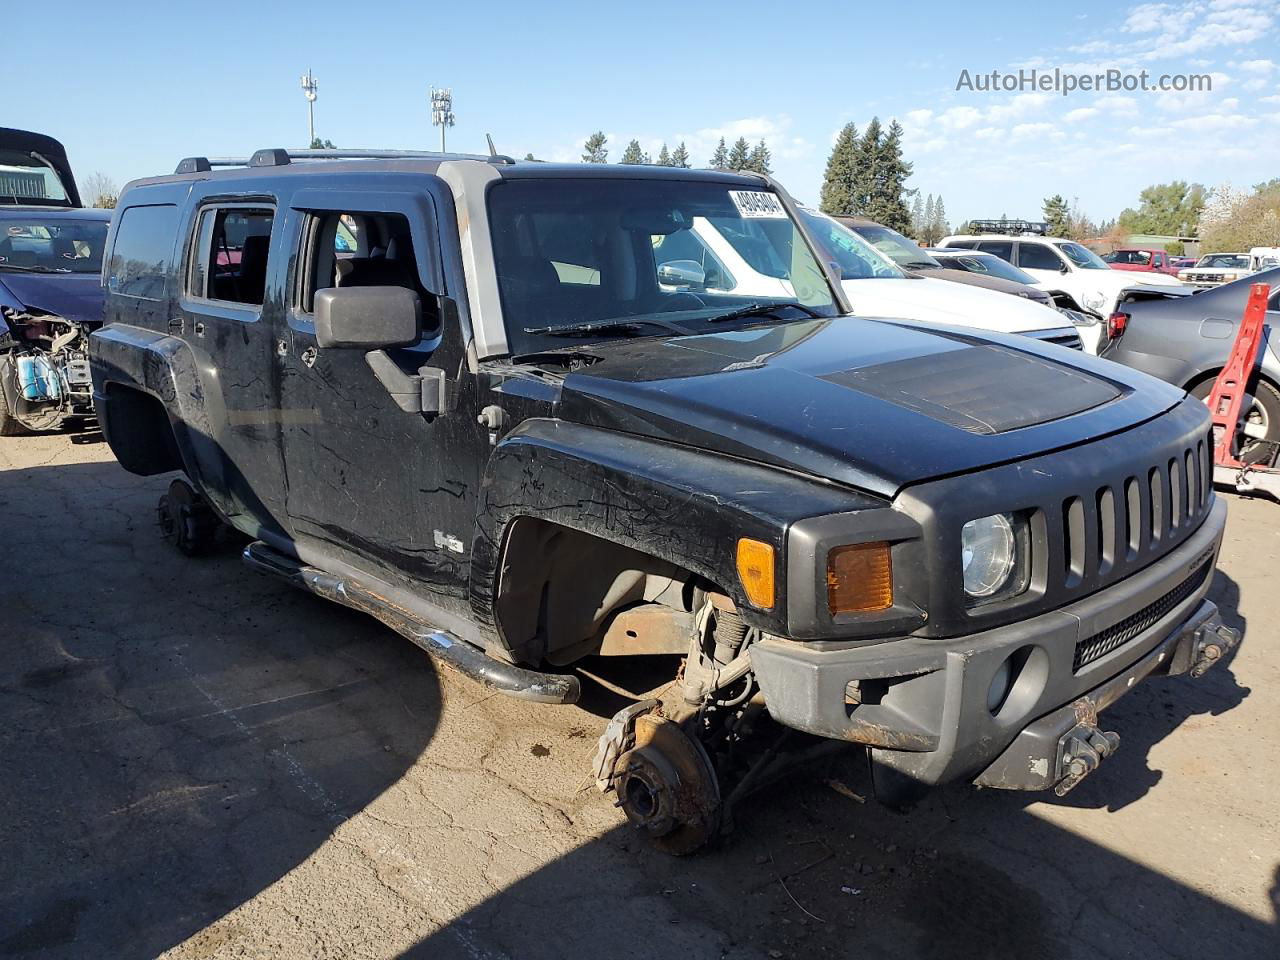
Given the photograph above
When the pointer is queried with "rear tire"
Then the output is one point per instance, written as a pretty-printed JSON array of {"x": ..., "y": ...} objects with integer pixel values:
[{"x": 1266, "y": 405}]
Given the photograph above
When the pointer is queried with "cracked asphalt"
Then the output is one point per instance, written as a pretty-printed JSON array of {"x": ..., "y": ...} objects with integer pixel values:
[{"x": 199, "y": 762}]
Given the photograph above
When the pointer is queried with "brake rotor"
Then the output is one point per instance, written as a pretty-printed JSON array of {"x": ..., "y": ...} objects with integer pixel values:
[{"x": 667, "y": 786}]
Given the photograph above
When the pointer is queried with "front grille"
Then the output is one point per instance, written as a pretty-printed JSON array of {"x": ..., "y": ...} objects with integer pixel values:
[
  {"x": 1118, "y": 634},
  {"x": 1121, "y": 527}
]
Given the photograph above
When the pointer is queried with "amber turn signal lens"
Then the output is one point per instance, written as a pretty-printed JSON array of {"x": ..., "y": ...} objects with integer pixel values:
[
  {"x": 755, "y": 570},
  {"x": 859, "y": 578}
]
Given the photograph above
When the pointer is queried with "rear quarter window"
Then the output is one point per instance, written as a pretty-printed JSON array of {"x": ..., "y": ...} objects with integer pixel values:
[{"x": 142, "y": 255}]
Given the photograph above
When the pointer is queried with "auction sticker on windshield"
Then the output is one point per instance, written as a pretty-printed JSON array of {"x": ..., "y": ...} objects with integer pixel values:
[{"x": 758, "y": 204}]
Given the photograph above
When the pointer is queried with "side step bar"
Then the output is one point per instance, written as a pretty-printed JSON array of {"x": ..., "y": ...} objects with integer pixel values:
[{"x": 441, "y": 645}]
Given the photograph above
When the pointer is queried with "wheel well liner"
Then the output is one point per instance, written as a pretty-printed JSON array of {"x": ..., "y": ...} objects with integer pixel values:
[{"x": 139, "y": 431}]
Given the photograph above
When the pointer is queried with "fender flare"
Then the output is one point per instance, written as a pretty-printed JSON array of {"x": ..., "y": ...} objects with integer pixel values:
[{"x": 685, "y": 506}]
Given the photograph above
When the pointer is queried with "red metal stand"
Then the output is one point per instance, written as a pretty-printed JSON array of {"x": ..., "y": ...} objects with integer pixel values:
[{"x": 1226, "y": 403}]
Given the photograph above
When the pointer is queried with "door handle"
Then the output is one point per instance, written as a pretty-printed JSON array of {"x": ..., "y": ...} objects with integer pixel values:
[{"x": 176, "y": 324}]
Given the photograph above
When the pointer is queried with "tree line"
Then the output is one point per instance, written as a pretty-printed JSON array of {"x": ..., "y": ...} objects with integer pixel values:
[
  {"x": 741, "y": 157},
  {"x": 866, "y": 176}
]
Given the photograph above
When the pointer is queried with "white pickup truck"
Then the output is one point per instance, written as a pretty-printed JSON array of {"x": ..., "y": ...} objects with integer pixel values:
[{"x": 703, "y": 259}]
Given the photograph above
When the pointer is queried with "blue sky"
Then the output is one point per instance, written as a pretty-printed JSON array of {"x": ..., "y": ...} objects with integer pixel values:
[{"x": 132, "y": 86}]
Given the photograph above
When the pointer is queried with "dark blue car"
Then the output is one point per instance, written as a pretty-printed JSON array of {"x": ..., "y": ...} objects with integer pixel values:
[{"x": 50, "y": 286}]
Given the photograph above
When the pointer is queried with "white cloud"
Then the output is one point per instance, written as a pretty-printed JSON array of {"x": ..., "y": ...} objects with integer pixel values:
[
  {"x": 1024, "y": 131},
  {"x": 1263, "y": 67},
  {"x": 1080, "y": 114}
]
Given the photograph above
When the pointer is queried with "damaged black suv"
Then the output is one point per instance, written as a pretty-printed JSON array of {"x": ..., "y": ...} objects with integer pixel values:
[{"x": 511, "y": 410}]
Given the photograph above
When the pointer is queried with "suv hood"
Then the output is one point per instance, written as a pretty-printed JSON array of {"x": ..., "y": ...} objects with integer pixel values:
[
  {"x": 937, "y": 301},
  {"x": 986, "y": 282},
  {"x": 1115, "y": 280},
  {"x": 872, "y": 404}
]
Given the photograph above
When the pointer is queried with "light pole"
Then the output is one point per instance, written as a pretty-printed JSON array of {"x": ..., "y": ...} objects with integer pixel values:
[
  {"x": 309, "y": 86},
  {"x": 442, "y": 111}
]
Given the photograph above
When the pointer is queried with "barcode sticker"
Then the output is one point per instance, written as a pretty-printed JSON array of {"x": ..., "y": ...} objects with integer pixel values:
[{"x": 758, "y": 205}]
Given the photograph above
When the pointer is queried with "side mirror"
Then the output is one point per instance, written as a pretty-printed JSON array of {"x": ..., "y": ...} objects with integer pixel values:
[
  {"x": 682, "y": 273},
  {"x": 367, "y": 318},
  {"x": 1063, "y": 268}
]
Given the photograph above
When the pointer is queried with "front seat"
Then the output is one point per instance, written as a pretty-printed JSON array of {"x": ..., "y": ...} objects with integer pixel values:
[{"x": 252, "y": 282}]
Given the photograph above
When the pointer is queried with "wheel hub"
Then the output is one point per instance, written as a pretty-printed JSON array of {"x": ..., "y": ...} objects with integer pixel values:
[{"x": 667, "y": 787}]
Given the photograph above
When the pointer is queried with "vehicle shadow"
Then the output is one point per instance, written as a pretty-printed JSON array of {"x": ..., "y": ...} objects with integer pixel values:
[{"x": 176, "y": 734}]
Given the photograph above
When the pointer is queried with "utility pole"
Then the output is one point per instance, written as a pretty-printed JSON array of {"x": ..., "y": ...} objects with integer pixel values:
[
  {"x": 442, "y": 111},
  {"x": 309, "y": 86}
]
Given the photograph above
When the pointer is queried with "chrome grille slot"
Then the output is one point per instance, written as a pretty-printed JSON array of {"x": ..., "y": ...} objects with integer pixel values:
[
  {"x": 1176, "y": 496},
  {"x": 1155, "y": 480}
]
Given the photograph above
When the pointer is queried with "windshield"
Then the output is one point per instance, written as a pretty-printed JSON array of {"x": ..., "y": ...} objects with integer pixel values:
[
  {"x": 896, "y": 247},
  {"x": 1138, "y": 258},
  {"x": 1225, "y": 261},
  {"x": 1082, "y": 257},
  {"x": 856, "y": 258},
  {"x": 658, "y": 256},
  {"x": 24, "y": 178},
  {"x": 51, "y": 244},
  {"x": 990, "y": 265}
]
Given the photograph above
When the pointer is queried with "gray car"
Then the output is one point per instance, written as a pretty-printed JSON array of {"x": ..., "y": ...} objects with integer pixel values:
[{"x": 1185, "y": 338}]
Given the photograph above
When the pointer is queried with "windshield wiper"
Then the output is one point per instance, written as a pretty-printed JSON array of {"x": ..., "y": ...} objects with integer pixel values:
[
  {"x": 590, "y": 328},
  {"x": 764, "y": 308},
  {"x": 919, "y": 265},
  {"x": 34, "y": 268}
]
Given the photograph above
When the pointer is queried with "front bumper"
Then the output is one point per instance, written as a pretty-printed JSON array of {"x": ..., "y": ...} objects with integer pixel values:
[{"x": 1003, "y": 705}]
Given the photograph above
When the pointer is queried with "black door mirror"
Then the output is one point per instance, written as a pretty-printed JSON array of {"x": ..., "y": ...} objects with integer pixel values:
[{"x": 368, "y": 318}]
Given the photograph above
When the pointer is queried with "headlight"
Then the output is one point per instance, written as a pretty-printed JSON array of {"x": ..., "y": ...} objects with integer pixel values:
[
  {"x": 988, "y": 555},
  {"x": 1095, "y": 301}
]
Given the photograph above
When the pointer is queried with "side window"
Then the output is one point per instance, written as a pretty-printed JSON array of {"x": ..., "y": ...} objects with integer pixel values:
[
  {"x": 963, "y": 244},
  {"x": 228, "y": 260},
  {"x": 143, "y": 250},
  {"x": 1038, "y": 256},
  {"x": 1275, "y": 301},
  {"x": 1159, "y": 259},
  {"x": 1001, "y": 248},
  {"x": 357, "y": 250}
]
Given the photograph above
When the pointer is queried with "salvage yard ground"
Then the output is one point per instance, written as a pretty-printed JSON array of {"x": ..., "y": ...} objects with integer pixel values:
[{"x": 197, "y": 761}]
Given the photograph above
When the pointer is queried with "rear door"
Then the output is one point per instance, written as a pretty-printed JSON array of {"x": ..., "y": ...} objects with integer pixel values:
[{"x": 228, "y": 292}]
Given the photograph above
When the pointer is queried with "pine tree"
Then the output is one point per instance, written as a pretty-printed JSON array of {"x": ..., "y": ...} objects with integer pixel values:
[
  {"x": 680, "y": 156},
  {"x": 759, "y": 161},
  {"x": 866, "y": 166},
  {"x": 739, "y": 155},
  {"x": 530, "y": 156},
  {"x": 633, "y": 153},
  {"x": 927, "y": 234},
  {"x": 917, "y": 217},
  {"x": 888, "y": 178},
  {"x": 720, "y": 159},
  {"x": 1057, "y": 215},
  {"x": 837, "y": 183},
  {"x": 595, "y": 149},
  {"x": 940, "y": 227},
  {"x": 664, "y": 157}
]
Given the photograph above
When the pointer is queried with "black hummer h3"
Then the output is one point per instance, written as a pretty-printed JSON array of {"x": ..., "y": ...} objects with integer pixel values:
[{"x": 518, "y": 413}]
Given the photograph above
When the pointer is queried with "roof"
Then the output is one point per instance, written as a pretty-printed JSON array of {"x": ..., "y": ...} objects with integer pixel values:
[
  {"x": 1024, "y": 237},
  {"x": 8, "y": 212},
  {"x": 278, "y": 162},
  {"x": 854, "y": 220}
]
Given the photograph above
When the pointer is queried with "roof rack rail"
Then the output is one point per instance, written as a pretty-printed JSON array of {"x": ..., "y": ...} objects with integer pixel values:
[
  {"x": 278, "y": 157},
  {"x": 1004, "y": 225}
]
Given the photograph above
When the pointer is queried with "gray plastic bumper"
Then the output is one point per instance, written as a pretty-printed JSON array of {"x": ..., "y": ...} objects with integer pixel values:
[{"x": 1002, "y": 705}]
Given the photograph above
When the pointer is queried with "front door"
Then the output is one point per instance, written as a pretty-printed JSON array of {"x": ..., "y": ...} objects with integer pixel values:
[{"x": 381, "y": 489}]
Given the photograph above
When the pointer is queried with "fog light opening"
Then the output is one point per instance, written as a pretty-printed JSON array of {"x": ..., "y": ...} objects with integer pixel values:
[{"x": 1001, "y": 684}]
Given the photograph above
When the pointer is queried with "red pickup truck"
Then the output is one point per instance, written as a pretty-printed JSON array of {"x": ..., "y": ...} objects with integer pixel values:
[{"x": 1141, "y": 259}]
